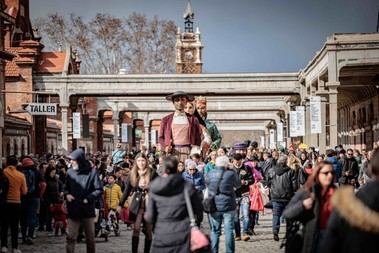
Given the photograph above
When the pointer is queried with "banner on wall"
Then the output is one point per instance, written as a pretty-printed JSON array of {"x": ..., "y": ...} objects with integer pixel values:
[
  {"x": 76, "y": 125},
  {"x": 300, "y": 120},
  {"x": 315, "y": 111},
  {"x": 279, "y": 132},
  {"x": 262, "y": 141},
  {"x": 153, "y": 136},
  {"x": 293, "y": 120},
  {"x": 124, "y": 133},
  {"x": 272, "y": 139}
]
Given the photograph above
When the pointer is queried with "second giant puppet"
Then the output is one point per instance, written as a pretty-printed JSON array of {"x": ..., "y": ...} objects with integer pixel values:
[
  {"x": 179, "y": 131},
  {"x": 201, "y": 107}
]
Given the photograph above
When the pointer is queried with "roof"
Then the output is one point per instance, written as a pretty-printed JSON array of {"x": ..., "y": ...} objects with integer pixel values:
[
  {"x": 52, "y": 62},
  {"x": 11, "y": 68}
]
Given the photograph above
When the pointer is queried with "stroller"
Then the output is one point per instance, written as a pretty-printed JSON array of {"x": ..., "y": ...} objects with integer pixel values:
[
  {"x": 101, "y": 227},
  {"x": 59, "y": 214}
]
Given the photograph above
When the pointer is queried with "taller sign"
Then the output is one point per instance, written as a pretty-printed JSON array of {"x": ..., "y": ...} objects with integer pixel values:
[{"x": 41, "y": 109}]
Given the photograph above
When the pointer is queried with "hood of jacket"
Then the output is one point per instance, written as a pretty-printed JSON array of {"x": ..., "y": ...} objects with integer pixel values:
[
  {"x": 79, "y": 156},
  {"x": 332, "y": 159},
  {"x": 167, "y": 186},
  {"x": 355, "y": 211},
  {"x": 281, "y": 169}
]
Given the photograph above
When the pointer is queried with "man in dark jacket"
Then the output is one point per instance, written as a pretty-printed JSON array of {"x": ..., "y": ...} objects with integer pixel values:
[
  {"x": 242, "y": 194},
  {"x": 266, "y": 164},
  {"x": 283, "y": 182},
  {"x": 350, "y": 168},
  {"x": 354, "y": 223},
  {"x": 83, "y": 189},
  {"x": 225, "y": 201}
]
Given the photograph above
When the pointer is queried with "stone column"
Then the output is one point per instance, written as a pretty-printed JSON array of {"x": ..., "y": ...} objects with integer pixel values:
[
  {"x": 333, "y": 114},
  {"x": 64, "y": 130},
  {"x": 116, "y": 127},
  {"x": 146, "y": 124},
  {"x": 99, "y": 134}
]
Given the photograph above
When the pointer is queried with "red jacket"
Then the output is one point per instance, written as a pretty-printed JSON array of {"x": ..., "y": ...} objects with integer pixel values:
[{"x": 165, "y": 132}]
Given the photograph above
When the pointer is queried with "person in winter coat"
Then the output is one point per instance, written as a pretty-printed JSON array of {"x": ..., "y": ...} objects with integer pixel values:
[
  {"x": 138, "y": 184},
  {"x": 112, "y": 193},
  {"x": 193, "y": 176},
  {"x": 53, "y": 192},
  {"x": 83, "y": 190},
  {"x": 354, "y": 223},
  {"x": 331, "y": 157},
  {"x": 283, "y": 182},
  {"x": 350, "y": 168},
  {"x": 167, "y": 210},
  {"x": 312, "y": 206},
  {"x": 225, "y": 200},
  {"x": 211, "y": 163}
]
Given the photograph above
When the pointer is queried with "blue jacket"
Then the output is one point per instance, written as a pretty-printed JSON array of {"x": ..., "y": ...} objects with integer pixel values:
[
  {"x": 83, "y": 183},
  {"x": 336, "y": 166},
  {"x": 196, "y": 179},
  {"x": 226, "y": 198}
]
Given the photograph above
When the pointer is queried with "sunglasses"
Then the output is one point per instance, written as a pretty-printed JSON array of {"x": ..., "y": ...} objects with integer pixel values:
[
  {"x": 349, "y": 153},
  {"x": 327, "y": 172}
]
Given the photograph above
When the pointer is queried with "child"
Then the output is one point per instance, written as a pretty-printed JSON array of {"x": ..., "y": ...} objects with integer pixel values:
[
  {"x": 112, "y": 197},
  {"x": 59, "y": 213}
]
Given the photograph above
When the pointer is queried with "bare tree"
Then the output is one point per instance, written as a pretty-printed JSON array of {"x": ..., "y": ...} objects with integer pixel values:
[{"x": 107, "y": 43}]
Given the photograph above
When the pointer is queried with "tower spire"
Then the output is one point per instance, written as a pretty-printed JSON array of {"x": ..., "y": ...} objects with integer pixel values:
[{"x": 188, "y": 18}]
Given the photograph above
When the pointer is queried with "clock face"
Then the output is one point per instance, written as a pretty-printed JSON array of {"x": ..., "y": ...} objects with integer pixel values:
[{"x": 188, "y": 55}]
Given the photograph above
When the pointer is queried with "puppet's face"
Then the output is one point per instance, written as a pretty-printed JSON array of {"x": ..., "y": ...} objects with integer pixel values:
[
  {"x": 189, "y": 108},
  {"x": 180, "y": 103},
  {"x": 202, "y": 109}
]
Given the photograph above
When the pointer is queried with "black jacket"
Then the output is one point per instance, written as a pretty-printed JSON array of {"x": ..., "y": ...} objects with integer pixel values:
[
  {"x": 350, "y": 165},
  {"x": 283, "y": 182},
  {"x": 167, "y": 211},
  {"x": 266, "y": 166},
  {"x": 83, "y": 183},
  {"x": 354, "y": 224},
  {"x": 310, "y": 218},
  {"x": 53, "y": 188},
  {"x": 244, "y": 173}
]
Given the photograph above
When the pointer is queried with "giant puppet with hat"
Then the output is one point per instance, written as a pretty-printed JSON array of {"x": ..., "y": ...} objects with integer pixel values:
[{"x": 179, "y": 131}]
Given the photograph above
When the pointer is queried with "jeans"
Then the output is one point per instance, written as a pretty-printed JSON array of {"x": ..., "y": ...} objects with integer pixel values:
[
  {"x": 11, "y": 217},
  {"x": 243, "y": 206},
  {"x": 277, "y": 211},
  {"x": 28, "y": 219},
  {"x": 73, "y": 232},
  {"x": 216, "y": 221}
]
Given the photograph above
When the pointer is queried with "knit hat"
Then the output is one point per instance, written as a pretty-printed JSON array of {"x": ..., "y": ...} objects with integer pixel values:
[{"x": 27, "y": 162}]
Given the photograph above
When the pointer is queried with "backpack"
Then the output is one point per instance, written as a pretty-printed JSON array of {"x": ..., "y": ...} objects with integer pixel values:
[
  {"x": 4, "y": 187},
  {"x": 30, "y": 177}
]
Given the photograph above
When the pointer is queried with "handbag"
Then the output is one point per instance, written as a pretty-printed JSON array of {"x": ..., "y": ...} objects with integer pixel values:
[
  {"x": 198, "y": 240},
  {"x": 209, "y": 203},
  {"x": 135, "y": 205},
  {"x": 294, "y": 238}
]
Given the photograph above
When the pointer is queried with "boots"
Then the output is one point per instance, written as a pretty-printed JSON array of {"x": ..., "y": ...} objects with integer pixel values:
[
  {"x": 135, "y": 240},
  {"x": 147, "y": 246}
]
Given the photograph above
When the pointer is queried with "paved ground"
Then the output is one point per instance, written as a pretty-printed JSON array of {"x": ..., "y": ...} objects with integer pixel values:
[{"x": 262, "y": 242}]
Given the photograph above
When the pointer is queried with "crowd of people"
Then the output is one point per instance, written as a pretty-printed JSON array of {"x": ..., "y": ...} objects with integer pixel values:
[{"x": 62, "y": 194}]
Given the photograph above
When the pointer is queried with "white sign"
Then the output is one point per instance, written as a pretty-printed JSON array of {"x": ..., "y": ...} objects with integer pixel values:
[
  {"x": 300, "y": 120},
  {"x": 41, "y": 109},
  {"x": 272, "y": 139},
  {"x": 293, "y": 121},
  {"x": 76, "y": 125},
  {"x": 124, "y": 132},
  {"x": 279, "y": 132},
  {"x": 262, "y": 141},
  {"x": 153, "y": 136},
  {"x": 315, "y": 111}
]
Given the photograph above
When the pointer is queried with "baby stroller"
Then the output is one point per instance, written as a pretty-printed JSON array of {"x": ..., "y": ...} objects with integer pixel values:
[
  {"x": 59, "y": 214},
  {"x": 113, "y": 222},
  {"x": 101, "y": 227}
]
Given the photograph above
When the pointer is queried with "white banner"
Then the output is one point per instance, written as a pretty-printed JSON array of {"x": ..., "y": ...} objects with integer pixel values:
[
  {"x": 293, "y": 121},
  {"x": 300, "y": 120},
  {"x": 153, "y": 136},
  {"x": 124, "y": 132},
  {"x": 76, "y": 125},
  {"x": 272, "y": 139},
  {"x": 279, "y": 132},
  {"x": 315, "y": 111},
  {"x": 262, "y": 141}
]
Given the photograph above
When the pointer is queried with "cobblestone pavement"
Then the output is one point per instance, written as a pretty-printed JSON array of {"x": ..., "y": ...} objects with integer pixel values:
[{"x": 261, "y": 243}]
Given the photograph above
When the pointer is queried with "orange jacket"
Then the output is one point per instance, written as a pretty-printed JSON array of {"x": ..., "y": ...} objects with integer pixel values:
[{"x": 17, "y": 184}]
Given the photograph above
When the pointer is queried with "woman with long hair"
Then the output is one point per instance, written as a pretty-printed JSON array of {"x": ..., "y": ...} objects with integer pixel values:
[
  {"x": 312, "y": 206},
  {"x": 137, "y": 185}
]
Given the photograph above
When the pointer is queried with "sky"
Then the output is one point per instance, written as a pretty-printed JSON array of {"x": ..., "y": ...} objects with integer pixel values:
[{"x": 243, "y": 35}]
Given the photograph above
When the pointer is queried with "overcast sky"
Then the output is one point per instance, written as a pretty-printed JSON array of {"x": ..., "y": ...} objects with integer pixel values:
[{"x": 243, "y": 35}]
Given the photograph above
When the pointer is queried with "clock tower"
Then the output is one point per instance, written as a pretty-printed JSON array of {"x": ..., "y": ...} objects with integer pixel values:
[{"x": 188, "y": 46}]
